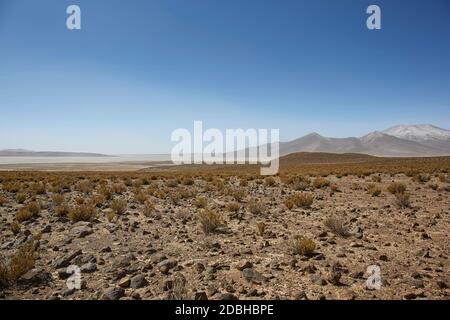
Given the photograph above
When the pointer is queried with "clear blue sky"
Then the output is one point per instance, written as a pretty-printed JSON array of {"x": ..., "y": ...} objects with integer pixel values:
[{"x": 139, "y": 69}]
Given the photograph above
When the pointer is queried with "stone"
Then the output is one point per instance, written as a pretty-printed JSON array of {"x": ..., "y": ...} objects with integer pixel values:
[
  {"x": 300, "y": 295},
  {"x": 138, "y": 281},
  {"x": 410, "y": 296},
  {"x": 442, "y": 284},
  {"x": 165, "y": 266},
  {"x": 124, "y": 282},
  {"x": 200, "y": 296},
  {"x": 123, "y": 261},
  {"x": 89, "y": 267},
  {"x": 36, "y": 276},
  {"x": 316, "y": 279},
  {"x": 64, "y": 261},
  {"x": 199, "y": 267},
  {"x": 244, "y": 265},
  {"x": 46, "y": 229},
  {"x": 253, "y": 276},
  {"x": 81, "y": 231},
  {"x": 113, "y": 293},
  {"x": 383, "y": 257}
]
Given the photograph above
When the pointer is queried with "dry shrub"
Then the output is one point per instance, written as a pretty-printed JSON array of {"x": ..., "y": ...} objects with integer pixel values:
[
  {"x": 187, "y": 181},
  {"x": 243, "y": 183},
  {"x": 397, "y": 187},
  {"x": 260, "y": 227},
  {"x": 137, "y": 183},
  {"x": 175, "y": 197},
  {"x": 337, "y": 226},
  {"x": 97, "y": 200},
  {"x": 185, "y": 193},
  {"x": 299, "y": 183},
  {"x": 301, "y": 245},
  {"x": 289, "y": 203},
  {"x": 149, "y": 208},
  {"x": 433, "y": 186},
  {"x": 38, "y": 188},
  {"x": 376, "y": 178},
  {"x": 302, "y": 200},
  {"x": 140, "y": 197},
  {"x": 127, "y": 181},
  {"x": 57, "y": 199},
  {"x": 106, "y": 192},
  {"x": 218, "y": 184},
  {"x": 210, "y": 220},
  {"x": 84, "y": 186},
  {"x": 269, "y": 182},
  {"x": 255, "y": 207},
  {"x": 320, "y": 183},
  {"x": 200, "y": 202},
  {"x": 15, "y": 227},
  {"x": 29, "y": 212},
  {"x": 118, "y": 205},
  {"x": 62, "y": 210},
  {"x": 110, "y": 215},
  {"x": 238, "y": 194},
  {"x": 421, "y": 178},
  {"x": 83, "y": 212},
  {"x": 119, "y": 188},
  {"x": 402, "y": 200},
  {"x": 21, "y": 197},
  {"x": 21, "y": 261},
  {"x": 172, "y": 183},
  {"x": 373, "y": 190},
  {"x": 12, "y": 187},
  {"x": 233, "y": 206}
]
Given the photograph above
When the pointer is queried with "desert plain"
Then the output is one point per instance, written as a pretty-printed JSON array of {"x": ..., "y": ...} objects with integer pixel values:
[{"x": 225, "y": 232}]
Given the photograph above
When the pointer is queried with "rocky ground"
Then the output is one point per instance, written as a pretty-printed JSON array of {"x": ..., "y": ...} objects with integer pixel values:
[{"x": 160, "y": 250}]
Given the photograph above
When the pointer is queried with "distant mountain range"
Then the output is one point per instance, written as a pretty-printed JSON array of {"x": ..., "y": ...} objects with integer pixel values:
[
  {"x": 398, "y": 141},
  {"x": 29, "y": 153}
]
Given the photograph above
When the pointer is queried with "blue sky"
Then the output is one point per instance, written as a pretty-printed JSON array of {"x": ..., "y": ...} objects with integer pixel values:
[{"x": 140, "y": 69}]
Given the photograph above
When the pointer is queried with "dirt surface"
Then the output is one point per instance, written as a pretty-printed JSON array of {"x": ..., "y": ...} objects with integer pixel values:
[{"x": 157, "y": 249}]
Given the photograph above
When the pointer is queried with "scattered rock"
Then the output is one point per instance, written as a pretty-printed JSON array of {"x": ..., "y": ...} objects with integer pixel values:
[
  {"x": 113, "y": 293},
  {"x": 138, "y": 281}
]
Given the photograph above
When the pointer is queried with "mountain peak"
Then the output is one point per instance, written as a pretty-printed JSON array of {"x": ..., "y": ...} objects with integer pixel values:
[{"x": 419, "y": 132}]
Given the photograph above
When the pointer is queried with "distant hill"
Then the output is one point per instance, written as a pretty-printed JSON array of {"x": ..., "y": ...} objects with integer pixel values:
[
  {"x": 29, "y": 153},
  {"x": 398, "y": 141}
]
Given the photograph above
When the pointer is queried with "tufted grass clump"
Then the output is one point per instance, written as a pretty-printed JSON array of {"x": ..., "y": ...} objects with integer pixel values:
[
  {"x": 210, "y": 220},
  {"x": 20, "y": 262},
  {"x": 397, "y": 187},
  {"x": 119, "y": 205},
  {"x": 337, "y": 226},
  {"x": 83, "y": 212},
  {"x": 301, "y": 245}
]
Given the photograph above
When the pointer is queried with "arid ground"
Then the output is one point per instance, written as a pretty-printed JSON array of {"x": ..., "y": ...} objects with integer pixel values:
[{"x": 224, "y": 232}]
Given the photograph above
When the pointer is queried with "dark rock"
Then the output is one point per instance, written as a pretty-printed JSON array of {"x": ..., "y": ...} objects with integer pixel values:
[
  {"x": 36, "y": 277},
  {"x": 316, "y": 279},
  {"x": 89, "y": 267},
  {"x": 113, "y": 293},
  {"x": 165, "y": 266},
  {"x": 200, "y": 296},
  {"x": 138, "y": 281},
  {"x": 81, "y": 231},
  {"x": 244, "y": 265},
  {"x": 64, "y": 261}
]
